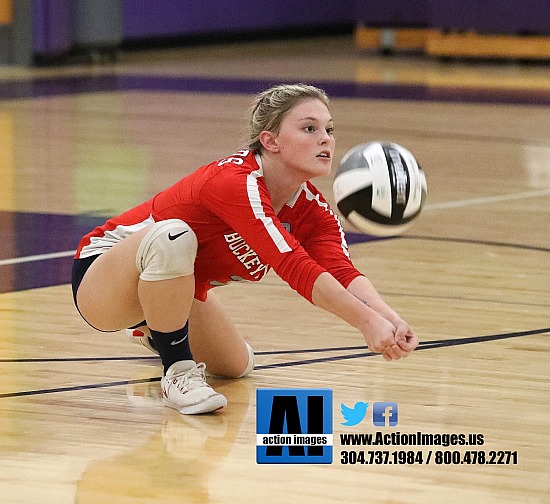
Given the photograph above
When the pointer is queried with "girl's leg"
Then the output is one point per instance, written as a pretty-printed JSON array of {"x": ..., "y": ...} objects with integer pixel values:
[
  {"x": 214, "y": 339},
  {"x": 149, "y": 275},
  {"x": 112, "y": 296}
]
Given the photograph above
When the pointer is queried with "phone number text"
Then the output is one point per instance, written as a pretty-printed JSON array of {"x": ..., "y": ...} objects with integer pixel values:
[{"x": 438, "y": 457}]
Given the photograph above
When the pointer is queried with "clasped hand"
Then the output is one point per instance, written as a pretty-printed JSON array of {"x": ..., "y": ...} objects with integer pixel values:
[{"x": 392, "y": 341}]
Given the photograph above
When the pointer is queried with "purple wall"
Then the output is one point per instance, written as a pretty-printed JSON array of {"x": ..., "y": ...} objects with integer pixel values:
[
  {"x": 51, "y": 26},
  {"x": 169, "y": 18},
  {"x": 392, "y": 13},
  {"x": 493, "y": 16},
  {"x": 487, "y": 16},
  {"x": 53, "y": 21}
]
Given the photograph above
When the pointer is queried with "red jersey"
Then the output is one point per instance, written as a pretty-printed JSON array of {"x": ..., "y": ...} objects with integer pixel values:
[{"x": 240, "y": 237}]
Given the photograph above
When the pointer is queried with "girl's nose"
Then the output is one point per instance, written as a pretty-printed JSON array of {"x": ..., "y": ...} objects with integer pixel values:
[{"x": 325, "y": 137}]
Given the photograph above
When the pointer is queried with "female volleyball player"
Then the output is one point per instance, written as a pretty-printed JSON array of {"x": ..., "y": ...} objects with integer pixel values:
[{"x": 232, "y": 220}]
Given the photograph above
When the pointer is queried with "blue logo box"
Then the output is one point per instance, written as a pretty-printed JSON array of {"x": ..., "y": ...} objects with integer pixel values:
[{"x": 294, "y": 426}]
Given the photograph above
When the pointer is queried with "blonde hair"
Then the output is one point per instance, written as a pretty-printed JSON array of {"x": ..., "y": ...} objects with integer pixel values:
[{"x": 270, "y": 106}]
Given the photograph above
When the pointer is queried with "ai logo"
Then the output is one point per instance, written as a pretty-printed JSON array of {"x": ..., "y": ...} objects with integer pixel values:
[{"x": 294, "y": 426}]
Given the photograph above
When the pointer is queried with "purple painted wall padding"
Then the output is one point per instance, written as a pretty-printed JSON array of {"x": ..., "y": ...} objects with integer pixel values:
[
  {"x": 187, "y": 17},
  {"x": 493, "y": 16},
  {"x": 392, "y": 13},
  {"x": 51, "y": 22}
]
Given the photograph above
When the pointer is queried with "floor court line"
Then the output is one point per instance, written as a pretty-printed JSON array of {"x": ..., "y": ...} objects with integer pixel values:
[
  {"x": 427, "y": 345},
  {"x": 37, "y": 257},
  {"x": 445, "y": 342},
  {"x": 486, "y": 200}
]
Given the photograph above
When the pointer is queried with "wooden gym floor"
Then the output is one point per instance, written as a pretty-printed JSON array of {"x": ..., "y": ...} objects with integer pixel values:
[{"x": 80, "y": 413}]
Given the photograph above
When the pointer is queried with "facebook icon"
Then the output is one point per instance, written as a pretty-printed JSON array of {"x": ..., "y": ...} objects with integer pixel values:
[{"x": 384, "y": 413}]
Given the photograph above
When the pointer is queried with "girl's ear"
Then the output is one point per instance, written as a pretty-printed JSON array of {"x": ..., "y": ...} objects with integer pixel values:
[{"x": 269, "y": 141}]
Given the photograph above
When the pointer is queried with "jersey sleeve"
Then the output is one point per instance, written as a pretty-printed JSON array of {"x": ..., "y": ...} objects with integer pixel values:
[
  {"x": 240, "y": 198},
  {"x": 326, "y": 243}
]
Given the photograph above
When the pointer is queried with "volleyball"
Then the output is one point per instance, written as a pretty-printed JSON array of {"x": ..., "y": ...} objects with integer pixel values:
[{"x": 379, "y": 188}]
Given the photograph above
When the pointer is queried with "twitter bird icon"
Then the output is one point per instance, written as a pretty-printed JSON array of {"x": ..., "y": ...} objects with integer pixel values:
[{"x": 355, "y": 415}]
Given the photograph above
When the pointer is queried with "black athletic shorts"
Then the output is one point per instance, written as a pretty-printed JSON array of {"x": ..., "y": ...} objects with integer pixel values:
[{"x": 80, "y": 266}]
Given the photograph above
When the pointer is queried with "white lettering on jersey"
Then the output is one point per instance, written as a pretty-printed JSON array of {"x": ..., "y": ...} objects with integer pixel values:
[
  {"x": 246, "y": 256},
  {"x": 236, "y": 158}
]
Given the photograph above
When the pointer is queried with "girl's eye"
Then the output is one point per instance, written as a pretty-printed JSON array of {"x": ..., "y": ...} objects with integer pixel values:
[
  {"x": 330, "y": 131},
  {"x": 310, "y": 128}
]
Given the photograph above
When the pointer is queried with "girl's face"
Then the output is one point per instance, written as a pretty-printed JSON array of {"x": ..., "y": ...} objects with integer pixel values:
[{"x": 305, "y": 140}]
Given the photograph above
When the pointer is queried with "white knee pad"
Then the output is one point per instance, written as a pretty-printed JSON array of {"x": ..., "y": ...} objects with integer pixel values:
[{"x": 167, "y": 251}]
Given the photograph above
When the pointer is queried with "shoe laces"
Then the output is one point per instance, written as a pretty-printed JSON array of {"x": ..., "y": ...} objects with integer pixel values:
[{"x": 191, "y": 378}]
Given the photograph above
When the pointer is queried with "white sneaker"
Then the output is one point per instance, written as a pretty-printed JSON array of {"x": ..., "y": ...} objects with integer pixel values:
[
  {"x": 139, "y": 336},
  {"x": 184, "y": 388}
]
